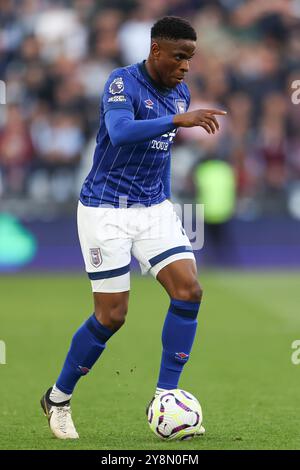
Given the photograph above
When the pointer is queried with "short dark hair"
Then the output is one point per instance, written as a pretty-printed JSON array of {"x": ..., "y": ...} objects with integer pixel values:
[{"x": 173, "y": 28}]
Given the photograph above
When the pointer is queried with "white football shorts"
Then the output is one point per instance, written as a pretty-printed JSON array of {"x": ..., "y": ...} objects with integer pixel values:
[{"x": 108, "y": 237}]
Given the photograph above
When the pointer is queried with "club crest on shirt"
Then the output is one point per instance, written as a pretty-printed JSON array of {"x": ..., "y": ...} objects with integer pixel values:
[
  {"x": 180, "y": 106},
  {"x": 116, "y": 86},
  {"x": 149, "y": 104},
  {"x": 95, "y": 256}
]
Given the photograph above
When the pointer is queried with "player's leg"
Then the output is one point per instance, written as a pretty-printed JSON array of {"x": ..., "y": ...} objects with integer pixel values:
[
  {"x": 167, "y": 254},
  {"x": 87, "y": 345},
  {"x": 179, "y": 279},
  {"x": 90, "y": 340},
  {"x": 109, "y": 275},
  {"x": 111, "y": 309}
]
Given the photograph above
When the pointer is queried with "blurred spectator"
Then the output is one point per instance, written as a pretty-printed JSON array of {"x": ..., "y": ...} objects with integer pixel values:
[
  {"x": 55, "y": 57},
  {"x": 271, "y": 150},
  {"x": 58, "y": 141},
  {"x": 16, "y": 152},
  {"x": 138, "y": 26},
  {"x": 61, "y": 33}
]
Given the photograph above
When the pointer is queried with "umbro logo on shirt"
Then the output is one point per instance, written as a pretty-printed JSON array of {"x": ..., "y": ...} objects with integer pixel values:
[{"x": 149, "y": 104}]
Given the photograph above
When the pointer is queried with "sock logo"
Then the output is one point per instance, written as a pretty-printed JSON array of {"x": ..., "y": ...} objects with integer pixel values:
[
  {"x": 83, "y": 370},
  {"x": 181, "y": 357}
]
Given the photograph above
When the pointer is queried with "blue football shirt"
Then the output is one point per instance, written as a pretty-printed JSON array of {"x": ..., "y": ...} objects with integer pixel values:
[{"x": 135, "y": 173}]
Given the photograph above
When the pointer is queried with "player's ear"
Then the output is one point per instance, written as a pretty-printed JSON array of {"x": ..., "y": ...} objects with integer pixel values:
[{"x": 155, "y": 50}]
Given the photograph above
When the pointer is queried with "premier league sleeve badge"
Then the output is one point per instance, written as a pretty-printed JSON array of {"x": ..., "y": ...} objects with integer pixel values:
[{"x": 116, "y": 86}]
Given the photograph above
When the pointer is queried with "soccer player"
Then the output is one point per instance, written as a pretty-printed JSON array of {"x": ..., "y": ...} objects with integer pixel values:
[{"x": 124, "y": 208}]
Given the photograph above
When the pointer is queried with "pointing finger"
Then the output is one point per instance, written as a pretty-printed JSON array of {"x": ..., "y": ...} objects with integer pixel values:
[{"x": 215, "y": 111}]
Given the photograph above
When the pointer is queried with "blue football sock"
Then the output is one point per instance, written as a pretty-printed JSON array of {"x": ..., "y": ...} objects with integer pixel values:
[
  {"x": 177, "y": 339},
  {"x": 87, "y": 345}
]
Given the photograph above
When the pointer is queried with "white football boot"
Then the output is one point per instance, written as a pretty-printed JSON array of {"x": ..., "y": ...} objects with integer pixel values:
[{"x": 59, "y": 418}]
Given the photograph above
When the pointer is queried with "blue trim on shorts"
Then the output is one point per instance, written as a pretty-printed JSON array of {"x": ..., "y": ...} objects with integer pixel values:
[
  {"x": 110, "y": 273},
  {"x": 172, "y": 251}
]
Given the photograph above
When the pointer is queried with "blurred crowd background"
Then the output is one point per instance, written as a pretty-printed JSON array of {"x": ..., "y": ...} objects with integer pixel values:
[{"x": 55, "y": 57}]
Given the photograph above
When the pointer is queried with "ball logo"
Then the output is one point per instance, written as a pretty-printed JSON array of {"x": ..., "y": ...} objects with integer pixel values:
[{"x": 116, "y": 86}]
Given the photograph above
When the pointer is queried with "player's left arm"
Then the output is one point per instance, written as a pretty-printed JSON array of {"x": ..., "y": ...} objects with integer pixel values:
[{"x": 120, "y": 100}]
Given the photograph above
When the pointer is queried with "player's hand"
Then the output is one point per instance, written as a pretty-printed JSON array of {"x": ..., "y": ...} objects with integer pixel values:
[{"x": 201, "y": 117}]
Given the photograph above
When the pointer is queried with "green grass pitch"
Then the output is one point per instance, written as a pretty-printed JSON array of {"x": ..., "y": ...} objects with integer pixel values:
[{"x": 240, "y": 368}]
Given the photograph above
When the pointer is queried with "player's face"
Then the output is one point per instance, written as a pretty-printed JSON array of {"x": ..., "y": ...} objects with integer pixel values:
[{"x": 171, "y": 59}]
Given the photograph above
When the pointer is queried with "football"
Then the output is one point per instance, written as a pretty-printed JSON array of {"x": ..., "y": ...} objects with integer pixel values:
[{"x": 175, "y": 414}]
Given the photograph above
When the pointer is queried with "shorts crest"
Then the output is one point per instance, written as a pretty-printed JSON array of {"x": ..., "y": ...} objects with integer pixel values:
[{"x": 95, "y": 256}]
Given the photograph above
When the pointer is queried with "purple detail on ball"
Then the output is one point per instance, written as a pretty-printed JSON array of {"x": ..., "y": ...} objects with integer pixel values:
[
  {"x": 160, "y": 419},
  {"x": 161, "y": 434},
  {"x": 151, "y": 416},
  {"x": 180, "y": 428},
  {"x": 197, "y": 418},
  {"x": 186, "y": 395},
  {"x": 182, "y": 405},
  {"x": 186, "y": 408},
  {"x": 166, "y": 395},
  {"x": 188, "y": 436}
]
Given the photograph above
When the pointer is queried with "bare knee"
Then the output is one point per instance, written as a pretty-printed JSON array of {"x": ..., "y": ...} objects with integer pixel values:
[
  {"x": 113, "y": 318},
  {"x": 111, "y": 312},
  {"x": 190, "y": 292},
  {"x": 181, "y": 281}
]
